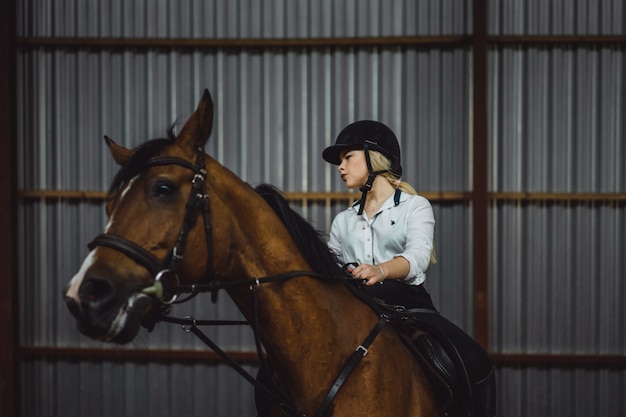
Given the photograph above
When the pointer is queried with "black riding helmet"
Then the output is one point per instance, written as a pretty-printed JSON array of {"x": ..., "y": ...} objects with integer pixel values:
[
  {"x": 367, "y": 135},
  {"x": 370, "y": 135}
]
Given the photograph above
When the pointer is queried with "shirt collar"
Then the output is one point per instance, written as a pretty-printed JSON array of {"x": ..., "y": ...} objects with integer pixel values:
[{"x": 389, "y": 203}]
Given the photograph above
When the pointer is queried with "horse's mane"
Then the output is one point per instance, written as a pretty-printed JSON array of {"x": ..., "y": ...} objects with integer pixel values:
[
  {"x": 310, "y": 242},
  {"x": 141, "y": 154}
]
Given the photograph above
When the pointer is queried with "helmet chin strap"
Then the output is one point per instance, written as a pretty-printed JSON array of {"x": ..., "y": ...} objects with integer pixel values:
[{"x": 370, "y": 179}]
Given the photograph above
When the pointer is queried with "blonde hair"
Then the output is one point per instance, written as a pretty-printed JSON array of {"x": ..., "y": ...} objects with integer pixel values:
[{"x": 381, "y": 163}]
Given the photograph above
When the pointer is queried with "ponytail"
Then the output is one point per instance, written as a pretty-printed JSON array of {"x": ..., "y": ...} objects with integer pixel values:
[{"x": 381, "y": 163}]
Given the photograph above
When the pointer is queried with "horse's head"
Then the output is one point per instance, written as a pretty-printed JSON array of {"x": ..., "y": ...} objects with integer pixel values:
[{"x": 153, "y": 205}]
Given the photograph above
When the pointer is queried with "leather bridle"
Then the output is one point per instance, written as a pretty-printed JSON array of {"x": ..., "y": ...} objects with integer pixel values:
[{"x": 167, "y": 288}]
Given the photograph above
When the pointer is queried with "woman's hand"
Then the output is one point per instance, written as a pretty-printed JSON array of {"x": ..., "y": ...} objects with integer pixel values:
[
  {"x": 370, "y": 274},
  {"x": 396, "y": 268}
]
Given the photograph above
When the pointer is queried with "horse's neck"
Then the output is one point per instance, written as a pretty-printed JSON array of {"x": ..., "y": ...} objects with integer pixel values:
[
  {"x": 307, "y": 324},
  {"x": 303, "y": 322}
]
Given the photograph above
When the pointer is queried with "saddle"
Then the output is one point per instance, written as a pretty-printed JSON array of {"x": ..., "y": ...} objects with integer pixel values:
[{"x": 437, "y": 355}]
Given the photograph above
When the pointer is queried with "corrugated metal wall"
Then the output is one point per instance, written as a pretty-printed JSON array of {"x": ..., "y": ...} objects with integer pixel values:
[
  {"x": 557, "y": 17},
  {"x": 557, "y": 267},
  {"x": 556, "y": 117},
  {"x": 242, "y": 18},
  {"x": 276, "y": 110}
]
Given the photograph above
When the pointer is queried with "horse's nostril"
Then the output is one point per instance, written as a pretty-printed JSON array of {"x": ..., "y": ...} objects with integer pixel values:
[
  {"x": 72, "y": 305},
  {"x": 95, "y": 291}
]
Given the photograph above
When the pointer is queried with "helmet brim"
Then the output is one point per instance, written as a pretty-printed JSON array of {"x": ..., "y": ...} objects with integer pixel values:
[{"x": 332, "y": 154}]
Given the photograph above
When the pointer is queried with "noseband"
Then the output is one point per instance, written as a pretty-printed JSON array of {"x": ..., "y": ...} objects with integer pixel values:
[{"x": 167, "y": 287}]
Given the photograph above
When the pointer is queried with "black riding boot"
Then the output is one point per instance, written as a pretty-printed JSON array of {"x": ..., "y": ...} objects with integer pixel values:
[{"x": 484, "y": 396}]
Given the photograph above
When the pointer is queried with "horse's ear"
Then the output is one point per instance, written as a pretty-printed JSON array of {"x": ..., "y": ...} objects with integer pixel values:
[
  {"x": 197, "y": 129},
  {"x": 120, "y": 154}
]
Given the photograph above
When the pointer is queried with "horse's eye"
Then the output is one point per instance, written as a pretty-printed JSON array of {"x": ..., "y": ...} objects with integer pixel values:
[{"x": 163, "y": 188}]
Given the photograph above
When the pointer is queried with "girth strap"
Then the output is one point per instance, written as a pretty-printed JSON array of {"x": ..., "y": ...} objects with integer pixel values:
[{"x": 358, "y": 354}]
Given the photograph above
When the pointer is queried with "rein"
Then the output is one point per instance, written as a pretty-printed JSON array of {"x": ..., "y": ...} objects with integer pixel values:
[{"x": 167, "y": 287}]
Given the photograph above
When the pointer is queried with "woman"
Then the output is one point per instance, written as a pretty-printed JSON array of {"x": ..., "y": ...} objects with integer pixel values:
[{"x": 386, "y": 239}]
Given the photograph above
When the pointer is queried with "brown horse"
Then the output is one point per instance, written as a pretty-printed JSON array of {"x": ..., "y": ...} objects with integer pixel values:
[{"x": 309, "y": 326}]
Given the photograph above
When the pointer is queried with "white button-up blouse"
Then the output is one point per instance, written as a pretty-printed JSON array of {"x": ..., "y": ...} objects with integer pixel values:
[{"x": 405, "y": 230}]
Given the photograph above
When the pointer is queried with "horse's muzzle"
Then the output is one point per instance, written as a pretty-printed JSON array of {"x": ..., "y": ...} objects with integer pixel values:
[{"x": 106, "y": 313}]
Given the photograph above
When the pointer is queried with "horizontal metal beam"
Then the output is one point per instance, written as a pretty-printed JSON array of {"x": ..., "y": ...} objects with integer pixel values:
[
  {"x": 557, "y": 197},
  {"x": 239, "y": 43},
  {"x": 293, "y": 196},
  {"x": 557, "y": 39},
  {"x": 208, "y": 357},
  {"x": 558, "y": 360},
  {"x": 84, "y": 195},
  {"x": 133, "y": 355}
]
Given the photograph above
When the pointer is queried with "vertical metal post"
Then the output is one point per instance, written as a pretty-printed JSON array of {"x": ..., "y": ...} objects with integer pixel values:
[
  {"x": 480, "y": 200},
  {"x": 9, "y": 358}
]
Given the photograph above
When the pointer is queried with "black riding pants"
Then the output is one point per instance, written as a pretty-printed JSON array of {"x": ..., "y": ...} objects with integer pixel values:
[{"x": 475, "y": 359}]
